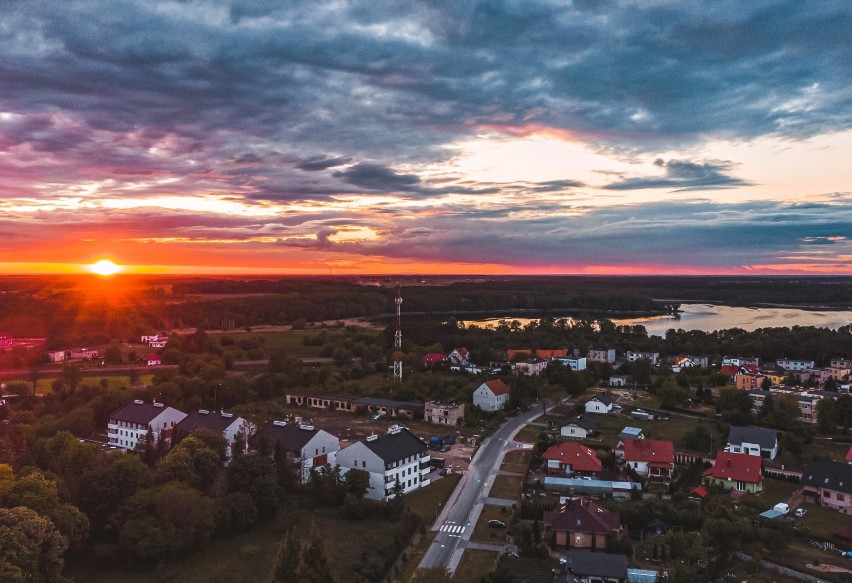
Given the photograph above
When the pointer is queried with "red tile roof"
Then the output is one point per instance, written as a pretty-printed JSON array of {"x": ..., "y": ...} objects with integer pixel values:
[
  {"x": 510, "y": 354},
  {"x": 849, "y": 455},
  {"x": 699, "y": 491},
  {"x": 432, "y": 358},
  {"x": 497, "y": 387},
  {"x": 657, "y": 452},
  {"x": 463, "y": 352},
  {"x": 579, "y": 457},
  {"x": 730, "y": 370},
  {"x": 153, "y": 357},
  {"x": 582, "y": 515},
  {"x": 736, "y": 466}
]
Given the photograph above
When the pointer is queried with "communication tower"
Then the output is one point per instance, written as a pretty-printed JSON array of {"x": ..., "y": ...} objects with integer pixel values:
[{"x": 397, "y": 337}]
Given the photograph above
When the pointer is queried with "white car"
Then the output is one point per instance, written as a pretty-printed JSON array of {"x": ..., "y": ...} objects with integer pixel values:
[{"x": 800, "y": 512}]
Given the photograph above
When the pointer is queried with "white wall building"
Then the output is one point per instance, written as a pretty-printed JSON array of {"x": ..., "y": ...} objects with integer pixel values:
[
  {"x": 130, "y": 424},
  {"x": 304, "y": 445},
  {"x": 600, "y": 404},
  {"x": 795, "y": 365},
  {"x": 397, "y": 456},
  {"x": 601, "y": 355},
  {"x": 652, "y": 357},
  {"x": 491, "y": 395},
  {"x": 572, "y": 362},
  {"x": 227, "y": 424}
]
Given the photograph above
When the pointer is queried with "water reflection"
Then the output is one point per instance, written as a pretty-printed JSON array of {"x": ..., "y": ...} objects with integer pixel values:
[{"x": 709, "y": 317}]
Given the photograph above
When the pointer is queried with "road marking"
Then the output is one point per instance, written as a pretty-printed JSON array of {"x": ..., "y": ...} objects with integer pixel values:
[{"x": 452, "y": 528}]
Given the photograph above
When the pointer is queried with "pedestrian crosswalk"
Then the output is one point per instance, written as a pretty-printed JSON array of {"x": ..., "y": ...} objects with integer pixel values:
[{"x": 452, "y": 528}]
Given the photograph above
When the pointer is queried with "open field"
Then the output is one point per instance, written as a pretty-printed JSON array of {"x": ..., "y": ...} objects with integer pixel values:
[
  {"x": 487, "y": 534},
  {"x": 529, "y": 434},
  {"x": 508, "y": 487},
  {"x": 114, "y": 381},
  {"x": 474, "y": 565},
  {"x": 517, "y": 461},
  {"x": 674, "y": 429},
  {"x": 291, "y": 342},
  {"x": 427, "y": 502},
  {"x": 822, "y": 522}
]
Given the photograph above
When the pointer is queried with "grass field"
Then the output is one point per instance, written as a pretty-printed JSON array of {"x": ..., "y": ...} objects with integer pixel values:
[
  {"x": 291, "y": 342},
  {"x": 823, "y": 521},
  {"x": 517, "y": 461},
  {"x": 474, "y": 565},
  {"x": 487, "y": 534},
  {"x": 508, "y": 487},
  {"x": 673, "y": 429},
  {"x": 529, "y": 434},
  {"x": 427, "y": 502},
  {"x": 114, "y": 381},
  {"x": 251, "y": 556}
]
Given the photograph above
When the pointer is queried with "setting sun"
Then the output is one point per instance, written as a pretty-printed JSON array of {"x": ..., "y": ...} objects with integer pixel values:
[{"x": 104, "y": 267}]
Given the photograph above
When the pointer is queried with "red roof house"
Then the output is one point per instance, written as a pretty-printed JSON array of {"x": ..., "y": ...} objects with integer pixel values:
[
  {"x": 652, "y": 458},
  {"x": 581, "y": 524},
  {"x": 432, "y": 358},
  {"x": 735, "y": 471},
  {"x": 849, "y": 456},
  {"x": 572, "y": 458},
  {"x": 491, "y": 395}
]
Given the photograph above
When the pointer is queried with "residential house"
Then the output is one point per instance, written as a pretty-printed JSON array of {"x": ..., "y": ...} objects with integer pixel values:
[
  {"x": 57, "y": 355},
  {"x": 829, "y": 484},
  {"x": 735, "y": 471},
  {"x": 682, "y": 362},
  {"x": 601, "y": 355},
  {"x": 747, "y": 382},
  {"x": 531, "y": 368},
  {"x": 129, "y": 425},
  {"x": 749, "y": 440},
  {"x": 840, "y": 363},
  {"x": 589, "y": 567},
  {"x": 618, "y": 380},
  {"x": 444, "y": 413},
  {"x": 149, "y": 338},
  {"x": 235, "y": 430},
  {"x": 740, "y": 361},
  {"x": 580, "y": 427},
  {"x": 459, "y": 356},
  {"x": 816, "y": 376},
  {"x": 839, "y": 373},
  {"x": 600, "y": 403},
  {"x": 579, "y": 523},
  {"x": 397, "y": 456},
  {"x": 82, "y": 354},
  {"x": 491, "y": 395},
  {"x": 153, "y": 360},
  {"x": 649, "y": 458},
  {"x": 652, "y": 357},
  {"x": 571, "y": 458},
  {"x": 774, "y": 373},
  {"x": 303, "y": 445},
  {"x": 430, "y": 359},
  {"x": 794, "y": 365},
  {"x": 575, "y": 363}
]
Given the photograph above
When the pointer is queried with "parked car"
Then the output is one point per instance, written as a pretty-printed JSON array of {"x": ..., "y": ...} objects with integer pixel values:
[
  {"x": 800, "y": 512},
  {"x": 496, "y": 524}
]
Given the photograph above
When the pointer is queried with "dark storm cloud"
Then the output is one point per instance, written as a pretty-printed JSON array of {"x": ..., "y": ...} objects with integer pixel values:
[
  {"x": 377, "y": 177},
  {"x": 322, "y": 163},
  {"x": 684, "y": 175}
]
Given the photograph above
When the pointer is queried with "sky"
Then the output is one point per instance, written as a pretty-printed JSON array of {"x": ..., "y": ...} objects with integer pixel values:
[{"x": 461, "y": 137}]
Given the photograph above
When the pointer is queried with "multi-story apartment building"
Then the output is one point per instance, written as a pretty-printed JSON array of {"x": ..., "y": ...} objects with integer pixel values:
[{"x": 130, "y": 424}]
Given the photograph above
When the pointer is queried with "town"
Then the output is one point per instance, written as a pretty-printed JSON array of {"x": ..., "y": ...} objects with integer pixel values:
[{"x": 613, "y": 457}]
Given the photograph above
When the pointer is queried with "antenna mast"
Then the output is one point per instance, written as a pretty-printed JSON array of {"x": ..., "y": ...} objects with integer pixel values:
[{"x": 397, "y": 337}]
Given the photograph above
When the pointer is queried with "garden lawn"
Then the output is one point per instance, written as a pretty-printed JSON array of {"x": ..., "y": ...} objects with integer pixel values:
[
  {"x": 529, "y": 434},
  {"x": 823, "y": 522},
  {"x": 427, "y": 502},
  {"x": 508, "y": 487},
  {"x": 517, "y": 461},
  {"x": 474, "y": 564},
  {"x": 488, "y": 534}
]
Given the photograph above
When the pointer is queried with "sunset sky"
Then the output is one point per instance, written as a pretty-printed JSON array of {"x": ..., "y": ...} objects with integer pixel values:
[{"x": 531, "y": 136}]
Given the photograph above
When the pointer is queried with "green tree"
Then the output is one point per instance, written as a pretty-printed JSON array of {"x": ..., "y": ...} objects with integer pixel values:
[
  {"x": 671, "y": 395},
  {"x": 289, "y": 559},
  {"x": 314, "y": 566},
  {"x": 254, "y": 474},
  {"x": 827, "y": 415},
  {"x": 31, "y": 547}
]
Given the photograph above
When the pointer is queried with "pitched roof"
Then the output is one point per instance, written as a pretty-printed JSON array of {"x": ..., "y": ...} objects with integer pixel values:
[
  {"x": 579, "y": 457},
  {"x": 765, "y": 438},
  {"x": 603, "y": 398},
  {"x": 288, "y": 437},
  {"x": 699, "y": 491},
  {"x": 584, "y": 421},
  {"x": 462, "y": 351},
  {"x": 138, "y": 412},
  {"x": 848, "y": 457},
  {"x": 582, "y": 515},
  {"x": 828, "y": 474},
  {"x": 497, "y": 387},
  {"x": 736, "y": 466},
  {"x": 391, "y": 447},
  {"x": 587, "y": 563},
  {"x": 510, "y": 354},
  {"x": 729, "y": 370},
  {"x": 432, "y": 358},
  {"x": 653, "y": 451},
  {"x": 204, "y": 419}
]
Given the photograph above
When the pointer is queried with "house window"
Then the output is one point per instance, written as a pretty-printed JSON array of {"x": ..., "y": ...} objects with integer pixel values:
[
  {"x": 363, "y": 464},
  {"x": 838, "y": 496}
]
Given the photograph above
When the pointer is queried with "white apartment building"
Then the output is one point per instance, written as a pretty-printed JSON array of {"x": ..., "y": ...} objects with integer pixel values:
[
  {"x": 397, "y": 456},
  {"x": 129, "y": 425}
]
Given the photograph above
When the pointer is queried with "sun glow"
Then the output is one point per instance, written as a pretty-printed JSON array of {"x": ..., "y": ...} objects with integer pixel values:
[{"x": 104, "y": 267}]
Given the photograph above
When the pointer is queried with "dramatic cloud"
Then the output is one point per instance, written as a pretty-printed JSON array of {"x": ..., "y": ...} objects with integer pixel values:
[{"x": 519, "y": 134}]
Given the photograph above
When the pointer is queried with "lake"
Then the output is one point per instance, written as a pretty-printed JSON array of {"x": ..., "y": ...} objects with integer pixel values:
[{"x": 710, "y": 317}]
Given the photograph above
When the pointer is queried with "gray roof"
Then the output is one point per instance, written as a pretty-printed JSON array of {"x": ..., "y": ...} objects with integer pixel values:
[
  {"x": 391, "y": 447},
  {"x": 766, "y": 438},
  {"x": 827, "y": 474},
  {"x": 203, "y": 419},
  {"x": 603, "y": 398},
  {"x": 596, "y": 564},
  {"x": 135, "y": 412},
  {"x": 290, "y": 437},
  {"x": 390, "y": 404},
  {"x": 584, "y": 421}
]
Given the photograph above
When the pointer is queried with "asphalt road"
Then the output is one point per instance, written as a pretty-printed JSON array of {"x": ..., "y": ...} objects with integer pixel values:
[{"x": 459, "y": 515}]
